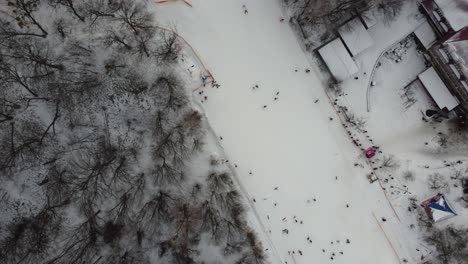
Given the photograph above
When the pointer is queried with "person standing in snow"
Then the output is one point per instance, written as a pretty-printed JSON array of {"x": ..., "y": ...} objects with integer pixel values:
[{"x": 204, "y": 78}]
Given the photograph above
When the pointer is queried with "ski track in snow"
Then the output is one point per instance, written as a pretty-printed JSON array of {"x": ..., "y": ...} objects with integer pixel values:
[{"x": 291, "y": 143}]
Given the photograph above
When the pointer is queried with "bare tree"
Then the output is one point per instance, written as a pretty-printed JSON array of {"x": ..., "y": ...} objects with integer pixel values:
[
  {"x": 133, "y": 15},
  {"x": 183, "y": 253},
  {"x": 10, "y": 74},
  {"x": 21, "y": 144},
  {"x": 389, "y": 162},
  {"x": 450, "y": 243},
  {"x": 80, "y": 243},
  {"x": 211, "y": 220},
  {"x": 125, "y": 256},
  {"x": 187, "y": 221},
  {"x": 39, "y": 57},
  {"x": 457, "y": 174},
  {"x": 70, "y": 5},
  {"x": 313, "y": 12},
  {"x": 219, "y": 182},
  {"x": 308, "y": 14},
  {"x": 30, "y": 238},
  {"x": 357, "y": 122},
  {"x": 52, "y": 123},
  {"x": 7, "y": 109},
  {"x": 61, "y": 27},
  {"x": 254, "y": 253},
  {"x": 408, "y": 97},
  {"x": 24, "y": 13},
  {"x": 173, "y": 146},
  {"x": 123, "y": 210},
  {"x": 57, "y": 184},
  {"x": 173, "y": 95},
  {"x": 112, "y": 232},
  {"x": 99, "y": 9},
  {"x": 7, "y": 31},
  {"x": 169, "y": 47},
  {"x": 158, "y": 209},
  {"x": 442, "y": 140},
  {"x": 438, "y": 183},
  {"x": 121, "y": 40},
  {"x": 390, "y": 9},
  {"x": 97, "y": 169},
  {"x": 131, "y": 82},
  {"x": 408, "y": 175}
]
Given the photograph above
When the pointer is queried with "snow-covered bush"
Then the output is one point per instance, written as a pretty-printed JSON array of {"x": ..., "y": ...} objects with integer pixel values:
[
  {"x": 408, "y": 175},
  {"x": 438, "y": 183},
  {"x": 389, "y": 162}
]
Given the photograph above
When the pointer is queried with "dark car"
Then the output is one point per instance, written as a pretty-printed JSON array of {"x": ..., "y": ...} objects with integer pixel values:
[{"x": 465, "y": 186}]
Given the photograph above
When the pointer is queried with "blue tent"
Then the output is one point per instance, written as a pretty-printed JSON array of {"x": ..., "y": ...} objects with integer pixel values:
[{"x": 437, "y": 208}]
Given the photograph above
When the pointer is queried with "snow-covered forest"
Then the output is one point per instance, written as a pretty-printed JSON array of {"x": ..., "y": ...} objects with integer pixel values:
[{"x": 97, "y": 137}]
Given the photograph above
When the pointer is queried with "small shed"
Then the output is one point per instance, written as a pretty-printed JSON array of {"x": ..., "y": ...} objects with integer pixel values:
[
  {"x": 338, "y": 60},
  {"x": 438, "y": 90},
  {"x": 355, "y": 36}
]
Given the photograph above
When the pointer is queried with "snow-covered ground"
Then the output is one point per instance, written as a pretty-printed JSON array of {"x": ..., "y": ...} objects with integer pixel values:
[
  {"x": 284, "y": 139},
  {"x": 396, "y": 124}
]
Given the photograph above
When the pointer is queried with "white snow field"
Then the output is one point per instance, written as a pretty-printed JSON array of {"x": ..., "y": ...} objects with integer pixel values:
[{"x": 289, "y": 144}]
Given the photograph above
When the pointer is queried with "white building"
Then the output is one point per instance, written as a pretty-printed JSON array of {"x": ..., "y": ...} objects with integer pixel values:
[
  {"x": 355, "y": 36},
  {"x": 338, "y": 60}
]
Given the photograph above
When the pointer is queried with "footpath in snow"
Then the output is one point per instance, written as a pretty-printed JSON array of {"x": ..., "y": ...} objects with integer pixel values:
[{"x": 283, "y": 137}]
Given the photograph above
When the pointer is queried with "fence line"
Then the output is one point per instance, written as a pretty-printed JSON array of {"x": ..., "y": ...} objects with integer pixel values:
[
  {"x": 386, "y": 237},
  {"x": 167, "y": 1},
  {"x": 330, "y": 101}
]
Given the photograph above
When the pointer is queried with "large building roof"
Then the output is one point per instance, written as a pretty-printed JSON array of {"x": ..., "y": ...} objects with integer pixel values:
[
  {"x": 455, "y": 11},
  {"x": 338, "y": 60},
  {"x": 426, "y": 35},
  {"x": 457, "y": 46},
  {"x": 355, "y": 36},
  {"x": 437, "y": 89}
]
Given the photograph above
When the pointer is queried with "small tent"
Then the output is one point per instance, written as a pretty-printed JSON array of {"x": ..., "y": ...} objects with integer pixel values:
[{"x": 437, "y": 208}]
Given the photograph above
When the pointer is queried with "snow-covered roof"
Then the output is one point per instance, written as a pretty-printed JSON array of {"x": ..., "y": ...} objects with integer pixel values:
[
  {"x": 369, "y": 18},
  {"x": 425, "y": 34},
  {"x": 355, "y": 36},
  {"x": 338, "y": 60},
  {"x": 457, "y": 46},
  {"x": 455, "y": 11},
  {"x": 437, "y": 89}
]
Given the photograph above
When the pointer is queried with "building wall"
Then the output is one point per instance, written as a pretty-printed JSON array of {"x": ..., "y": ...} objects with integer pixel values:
[
  {"x": 439, "y": 56},
  {"x": 440, "y": 64},
  {"x": 436, "y": 18}
]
